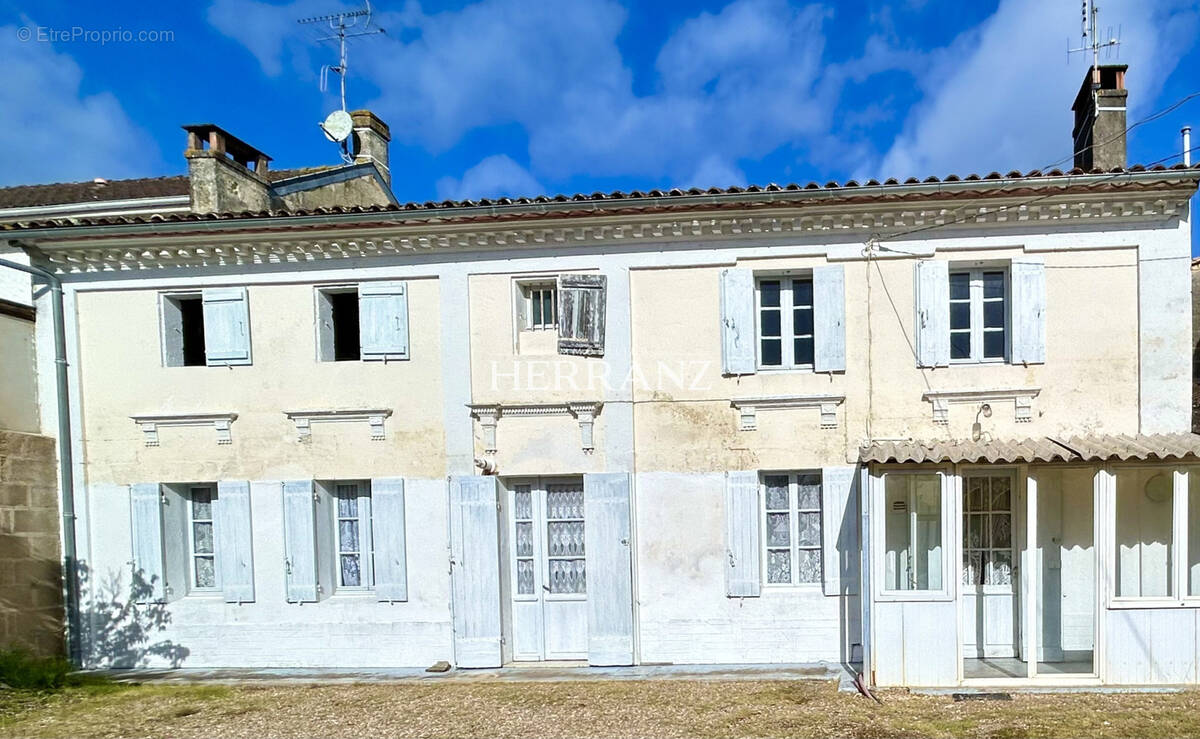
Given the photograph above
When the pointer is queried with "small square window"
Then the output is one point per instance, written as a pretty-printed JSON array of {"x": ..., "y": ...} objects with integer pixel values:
[{"x": 539, "y": 309}]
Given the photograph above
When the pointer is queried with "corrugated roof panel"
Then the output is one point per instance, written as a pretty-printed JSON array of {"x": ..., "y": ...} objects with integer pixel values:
[{"x": 1096, "y": 448}]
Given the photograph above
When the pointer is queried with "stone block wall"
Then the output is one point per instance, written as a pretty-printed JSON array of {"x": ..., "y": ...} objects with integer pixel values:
[{"x": 31, "y": 608}]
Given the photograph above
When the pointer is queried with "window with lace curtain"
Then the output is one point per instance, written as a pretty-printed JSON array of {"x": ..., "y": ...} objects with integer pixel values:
[{"x": 792, "y": 528}]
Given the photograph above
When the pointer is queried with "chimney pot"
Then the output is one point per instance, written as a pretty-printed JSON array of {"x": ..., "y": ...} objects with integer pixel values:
[{"x": 1099, "y": 133}]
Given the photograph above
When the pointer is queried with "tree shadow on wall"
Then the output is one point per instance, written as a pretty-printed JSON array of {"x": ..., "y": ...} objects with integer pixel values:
[{"x": 119, "y": 622}]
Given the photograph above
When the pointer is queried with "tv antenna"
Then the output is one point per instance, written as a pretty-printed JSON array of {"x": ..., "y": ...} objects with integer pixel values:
[
  {"x": 337, "y": 125},
  {"x": 1089, "y": 28}
]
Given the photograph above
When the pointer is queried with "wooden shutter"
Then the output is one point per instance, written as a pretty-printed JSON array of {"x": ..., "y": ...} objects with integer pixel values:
[
  {"x": 383, "y": 320},
  {"x": 829, "y": 318},
  {"x": 226, "y": 326},
  {"x": 1028, "y": 310},
  {"x": 737, "y": 322},
  {"x": 300, "y": 541},
  {"x": 475, "y": 570},
  {"x": 609, "y": 568},
  {"x": 743, "y": 578},
  {"x": 387, "y": 527},
  {"x": 839, "y": 528},
  {"x": 235, "y": 538},
  {"x": 933, "y": 313},
  {"x": 145, "y": 508},
  {"x": 581, "y": 312}
]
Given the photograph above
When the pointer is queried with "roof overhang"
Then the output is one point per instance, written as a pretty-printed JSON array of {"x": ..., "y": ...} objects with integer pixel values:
[{"x": 1076, "y": 449}]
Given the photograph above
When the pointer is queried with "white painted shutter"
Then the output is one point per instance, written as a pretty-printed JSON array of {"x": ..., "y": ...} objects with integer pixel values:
[
  {"x": 235, "y": 541},
  {"x": 1028, "y": 310},
  {"x": 226, "y": 326},
  {"x": 743, "y": 578},
  {"x": 581, "y": 314},
  {"x": 839, "y": 528},
  {"x": 933, "y": 313},
  {"x": 300, "y": 541},
  {"x": 145, "y": 508},
  {"x": 475, "y": 570},
  {"x": 737, "y": 321},
  {"x": 609, "y": 568},
  {"x": 383, "y": 320},
  {"x": 387, "y": 527},
  {"x": 829, "y": 318}
]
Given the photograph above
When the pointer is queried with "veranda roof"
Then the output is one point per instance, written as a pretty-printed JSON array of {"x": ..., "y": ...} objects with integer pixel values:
[{"x": 1094, "y": 448}]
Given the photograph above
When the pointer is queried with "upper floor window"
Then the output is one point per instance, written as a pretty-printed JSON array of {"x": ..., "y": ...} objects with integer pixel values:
[
  {"x": 785, "y": 322},
  {"x": 792, "y": 526},
  {"x": 205, "y": 327},
  {"x": 978, "y": 315},
  {"x": 367, "y": 321},
  {"x": 540, "y": 306}
]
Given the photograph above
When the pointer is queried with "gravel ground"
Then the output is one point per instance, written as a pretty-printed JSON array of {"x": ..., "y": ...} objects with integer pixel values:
[{"x": 652, "y": 708}]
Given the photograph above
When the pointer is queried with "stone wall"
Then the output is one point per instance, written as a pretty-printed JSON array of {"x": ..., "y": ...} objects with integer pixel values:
[{"x": 31, "y": 614}]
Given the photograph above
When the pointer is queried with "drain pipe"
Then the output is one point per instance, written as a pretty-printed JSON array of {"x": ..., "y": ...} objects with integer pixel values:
[{"x": 65, "y": 461}]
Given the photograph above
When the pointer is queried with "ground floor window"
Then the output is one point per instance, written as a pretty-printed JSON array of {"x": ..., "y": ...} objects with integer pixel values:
[
  {"x": 1144, "y": 518},
  {"x": 792, "y": 522},
  {"x": 912, "y": 531}
]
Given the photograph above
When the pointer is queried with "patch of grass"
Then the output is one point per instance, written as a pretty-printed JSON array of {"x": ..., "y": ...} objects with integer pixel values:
[{"x": 21, "y": 670}]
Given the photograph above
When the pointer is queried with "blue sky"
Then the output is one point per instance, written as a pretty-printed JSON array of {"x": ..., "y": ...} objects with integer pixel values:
[{"x": 523, "y": 97}]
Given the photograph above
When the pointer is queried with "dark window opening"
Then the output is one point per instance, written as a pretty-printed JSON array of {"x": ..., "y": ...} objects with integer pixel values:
[
  {"x": 191, "y": 319},
  {"x": 344, "y": 314}
]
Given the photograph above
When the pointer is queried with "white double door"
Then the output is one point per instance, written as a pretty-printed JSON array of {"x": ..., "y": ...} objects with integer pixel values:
[{"x": 547, "y": 569}]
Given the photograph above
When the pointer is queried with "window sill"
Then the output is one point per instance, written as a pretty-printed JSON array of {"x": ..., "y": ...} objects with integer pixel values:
[
  {"x": 1123, "y": 604},
  {"x": 979, "y": 362},
  {"x": 806, "y": 369},
  {"x": 806, "y": 587},
  {"x": 914, "y": 596},
  {"x": 200, "y": 596},
  {"x": 344, "y": 594}
]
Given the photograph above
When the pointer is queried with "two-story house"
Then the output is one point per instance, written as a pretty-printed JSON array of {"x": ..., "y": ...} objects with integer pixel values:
[{"x": 940, "y": 427}]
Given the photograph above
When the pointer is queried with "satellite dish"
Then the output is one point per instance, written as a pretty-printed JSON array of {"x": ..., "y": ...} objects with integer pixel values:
[{"x": 338, "y": 126}]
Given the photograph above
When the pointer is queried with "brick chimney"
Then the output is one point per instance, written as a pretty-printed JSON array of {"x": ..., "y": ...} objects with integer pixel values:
[
  {"x": 371, "y": 137},
  {"x": 1099, "y": 133},
  {"x": 225, "y": 174}
]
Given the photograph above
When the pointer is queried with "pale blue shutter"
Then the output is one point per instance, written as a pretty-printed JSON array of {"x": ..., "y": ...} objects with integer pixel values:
[
  {"x": 383, "y": 320},
  {"x": 226, "y": 326},
  {"x": 387, "y": 528},
  {"x": 1028, "y": 310},
  {"x": 235, "y": 551},
  {"x": 145, "y": 508},
  {"x": 933, "y": 313},
  {"x": 609, "y": 568},
  {"x": 829, "y": 318},
  {"x": 300, "y": 541},
  {"x": 737, "y": 322},
  {"x": 475, "y": 570},
  {"x": 743, "y": 578},
  {"x": 839, "y": 528}
]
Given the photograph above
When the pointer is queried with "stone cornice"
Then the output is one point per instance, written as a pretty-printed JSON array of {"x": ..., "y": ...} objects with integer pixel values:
[
  {"x": 489, "y": 414},
  {"x": 149, "y": 423},
  {"x": 1022, "y": 399},
  {"x": 748, "y": 407},
  {"x": 375, "y": 417}
]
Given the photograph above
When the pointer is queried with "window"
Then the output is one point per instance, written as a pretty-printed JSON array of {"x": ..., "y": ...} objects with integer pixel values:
[
  {"x": 987, "y": 533},
  {"x": 202, "y": 538},
  {"x": 1193, "y": 537},
  {"x": 792, "y": 522},
  {"x": 183, "y": 330},
  {"x": 337, "y": 310},
  {"x": 541, "y": 306},
  {"x": 912, "y": 531},
  {"x": 785, "y": 322},
  {"x": 355, "y": 545},
  {"x": 978, "y": 315},
  {"x": 565, "y": 538},
  {"x": 1144, "y": 522}
]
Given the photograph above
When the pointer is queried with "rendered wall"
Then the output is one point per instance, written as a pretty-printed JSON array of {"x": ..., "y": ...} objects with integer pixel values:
[{"x": 18, "y": 391}]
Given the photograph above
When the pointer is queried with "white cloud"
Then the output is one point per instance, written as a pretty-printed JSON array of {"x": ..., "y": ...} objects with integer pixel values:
[
  {"x": 1005, "y": 94},
  {"x": 713, "y": 171},
  {"x": 52, "y": 132},
  {"x": 495, "y": 176}
]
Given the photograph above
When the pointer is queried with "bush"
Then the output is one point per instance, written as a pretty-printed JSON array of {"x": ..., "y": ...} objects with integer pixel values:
[{"x": 23, "y": 671}]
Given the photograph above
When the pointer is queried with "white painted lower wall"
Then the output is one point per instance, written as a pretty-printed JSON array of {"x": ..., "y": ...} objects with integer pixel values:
[{"x": 1147, "y": 646}]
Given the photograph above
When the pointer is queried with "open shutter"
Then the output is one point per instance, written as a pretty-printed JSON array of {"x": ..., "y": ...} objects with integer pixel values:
[
  {"x": 829, "y": 318},
  {"x": 742, "y": 576},
  {"x": 839, "y": 527},
  {"x": 581, "y": 300},
  {"x": 383, "y": 320},
  {"x": 300, "y": 541},
  {"x": 475, "y": 570},
  {"x": 933, "y": 313},
  {"x": 387, "y": 527},
  {"x": 737, "y": 321},
  {"x": 1028, "y": 310},
  {"x": 226, "y": 326},
  {"x": 145, "y": 508},
  {"x": 235, "y": 541},
  {"x": 609, "y": 568}
]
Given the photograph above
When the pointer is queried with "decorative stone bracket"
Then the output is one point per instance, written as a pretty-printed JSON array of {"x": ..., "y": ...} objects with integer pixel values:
[
  {"x": 1022, "y": 399},
  {"x": 305, "y": 419},
  {"x": 150, "y": 423},
  {"x": 748, "y": 407},
  {"x": 489, "y": 415}
]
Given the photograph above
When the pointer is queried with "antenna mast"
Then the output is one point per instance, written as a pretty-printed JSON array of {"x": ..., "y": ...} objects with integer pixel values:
[
  {"x": 339, "y": 25},
  {"x": 1092, "y": 42}
]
